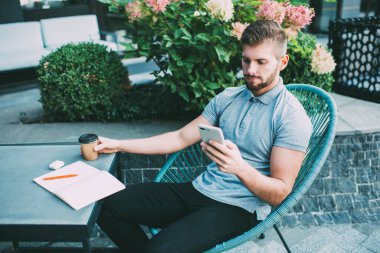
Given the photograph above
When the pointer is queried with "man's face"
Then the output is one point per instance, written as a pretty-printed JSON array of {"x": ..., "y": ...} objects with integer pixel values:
[{"x": 261, "y": 67}]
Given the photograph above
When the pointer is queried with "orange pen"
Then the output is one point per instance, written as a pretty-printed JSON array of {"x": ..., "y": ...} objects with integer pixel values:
[{"x": 59, "y": 177}]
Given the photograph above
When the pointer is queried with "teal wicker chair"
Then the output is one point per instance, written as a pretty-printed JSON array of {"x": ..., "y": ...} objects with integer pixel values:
[{"x": 185, "y": 165}]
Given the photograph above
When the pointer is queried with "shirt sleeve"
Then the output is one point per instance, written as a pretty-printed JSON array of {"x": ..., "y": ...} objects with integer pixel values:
[
  {"x": 294, "y": 131},
  {"x": 212, "y": 109}
]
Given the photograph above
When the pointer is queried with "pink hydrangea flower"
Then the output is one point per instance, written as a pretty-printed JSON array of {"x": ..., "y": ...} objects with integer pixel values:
[
  {"x": 221, "y": 9},
  {"x": 290, "y": 33},
  {"x": 298, "y": 17},
  {"x": 134, "y": 10},
  {"x": 271, "y": 10},
  {"x": 158, "y": 5},
  {"x": 238, "y": 29},
  {"x": 322, "y": 61}
]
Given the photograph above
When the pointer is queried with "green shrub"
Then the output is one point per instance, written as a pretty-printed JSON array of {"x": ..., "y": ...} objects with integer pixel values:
[
  {"x": 196, "y": 43},
  {"x": 81, "y": 82},
  {"x": 300, "y": 52}
]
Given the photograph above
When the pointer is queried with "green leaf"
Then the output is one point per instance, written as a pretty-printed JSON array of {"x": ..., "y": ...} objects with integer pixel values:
[
  {"x": 200, "y": 46},
  {"x": 145, "y": 46},
  {"x": 189, "y": 66},
  {"x": 222, "y": 54},
  {"x": 255, "y": 3},
  {"x": 215, "y": 38},
  {"x": 185, "y": 95},
  {"x": 166, "y": 37},
  {"x": 144, "y": 53},
  {"x": 197, "y": 93},
  {"x": 194, "y": 58},
  {"x": 128, "y": 46},
  {"x": 175, "y": 56},
  {"x": 213, "y": 86},
  {"x": 131, "y": 54},
  {"x": 186, "y": 32},
  {"x": 112, "y": 8},
  {"x": 202, "y": 36},
  {"x": 178, "y": 33},
  {"x": 169, "y": 43},
  {"x": 185, "y": 38}
]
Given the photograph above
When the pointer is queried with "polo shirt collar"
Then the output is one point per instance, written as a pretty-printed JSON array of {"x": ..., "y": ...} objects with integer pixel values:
[{"x": 268, "y": 97}]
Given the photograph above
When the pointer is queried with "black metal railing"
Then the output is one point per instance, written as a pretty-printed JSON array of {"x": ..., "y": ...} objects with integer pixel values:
[{"x": 355, "y": 43}]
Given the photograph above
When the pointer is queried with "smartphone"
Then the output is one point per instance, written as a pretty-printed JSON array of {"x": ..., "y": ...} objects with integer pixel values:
[{"x": 211, "y": 133}]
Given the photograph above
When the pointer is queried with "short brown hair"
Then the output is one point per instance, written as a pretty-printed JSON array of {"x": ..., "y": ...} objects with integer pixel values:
[{"x": 262, "y": 30}]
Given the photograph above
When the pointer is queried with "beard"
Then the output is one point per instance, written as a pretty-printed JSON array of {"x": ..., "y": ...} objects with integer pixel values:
[{"x": 263, "y": 84}]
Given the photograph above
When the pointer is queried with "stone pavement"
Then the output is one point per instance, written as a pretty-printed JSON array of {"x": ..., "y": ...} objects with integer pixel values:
[
  {"x": 355, "y": 116},
  {"x": 342, "y": 238}
]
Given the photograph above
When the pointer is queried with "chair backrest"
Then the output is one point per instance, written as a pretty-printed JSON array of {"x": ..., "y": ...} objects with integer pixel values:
[
  {"x": 59, "y": 31},
  {"x": 185, "y": 165},
  {"x": 20, "y": 36}
]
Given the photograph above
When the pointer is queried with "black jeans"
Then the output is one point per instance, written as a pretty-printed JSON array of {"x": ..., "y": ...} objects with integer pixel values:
[{"x": 190, "y": 221}]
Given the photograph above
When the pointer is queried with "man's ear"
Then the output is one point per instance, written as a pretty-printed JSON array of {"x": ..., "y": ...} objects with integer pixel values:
[{"x": 284, "y": 62}]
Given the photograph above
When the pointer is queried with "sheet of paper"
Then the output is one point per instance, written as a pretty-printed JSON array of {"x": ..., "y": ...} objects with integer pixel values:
[
  {"x": 82, "y": 169},
  {"x": 89, "y": 190}
]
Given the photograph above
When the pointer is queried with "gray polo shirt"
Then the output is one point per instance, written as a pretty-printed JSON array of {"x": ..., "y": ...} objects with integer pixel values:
[{"x": 255, "y": 125}]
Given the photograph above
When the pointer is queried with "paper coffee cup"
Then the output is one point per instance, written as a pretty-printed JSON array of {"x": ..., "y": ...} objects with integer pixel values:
[{"x": 88, "y": 142}]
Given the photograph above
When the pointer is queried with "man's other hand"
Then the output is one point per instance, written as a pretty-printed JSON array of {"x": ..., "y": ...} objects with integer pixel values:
[
  {"x": 106, "y": 145},
  {"x": 228, "y": 157}
]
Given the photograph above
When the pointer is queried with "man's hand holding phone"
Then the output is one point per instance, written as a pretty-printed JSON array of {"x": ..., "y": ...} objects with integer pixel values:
[{"x": 223, "y": 152}]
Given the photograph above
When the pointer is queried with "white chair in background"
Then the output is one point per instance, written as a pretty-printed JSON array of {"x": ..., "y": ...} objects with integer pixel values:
[
  {"x": 21, "y": 45},
  {"x": 59, "y": 31}
]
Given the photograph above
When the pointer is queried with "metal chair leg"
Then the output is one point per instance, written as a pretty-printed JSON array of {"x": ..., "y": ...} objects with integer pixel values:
[
  {"x": 282, "y": 238},
  {"x": 16, "y": 245},
  {"x": 86, "y": 246}
]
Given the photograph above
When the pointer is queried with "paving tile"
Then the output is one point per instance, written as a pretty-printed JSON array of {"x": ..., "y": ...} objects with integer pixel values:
[
  {"x": 372, "y": 243},
  {"x": 339, "y": 228},
  {"x": 294, "y": 235},
  {"x": 316, "y": 241},
  {"x": 247, "y": 247},
  {"x": 332, "y": 248},
  {"x": 349, "y": 239},
  {"x": 273, "y": 247},
  {"x": 368, "y": 228},
  {"x": 361, "y": 249}
]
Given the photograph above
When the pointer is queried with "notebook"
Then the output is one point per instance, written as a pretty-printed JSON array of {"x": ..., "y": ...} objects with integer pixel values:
[{"x": 80, "y": 185}]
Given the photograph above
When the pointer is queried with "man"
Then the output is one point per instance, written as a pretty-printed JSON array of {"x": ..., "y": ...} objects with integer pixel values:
[{"x": 267, "y": 131}]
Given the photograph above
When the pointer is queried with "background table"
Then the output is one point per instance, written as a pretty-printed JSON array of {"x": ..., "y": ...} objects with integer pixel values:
[{"x": 28, "y": 212}]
